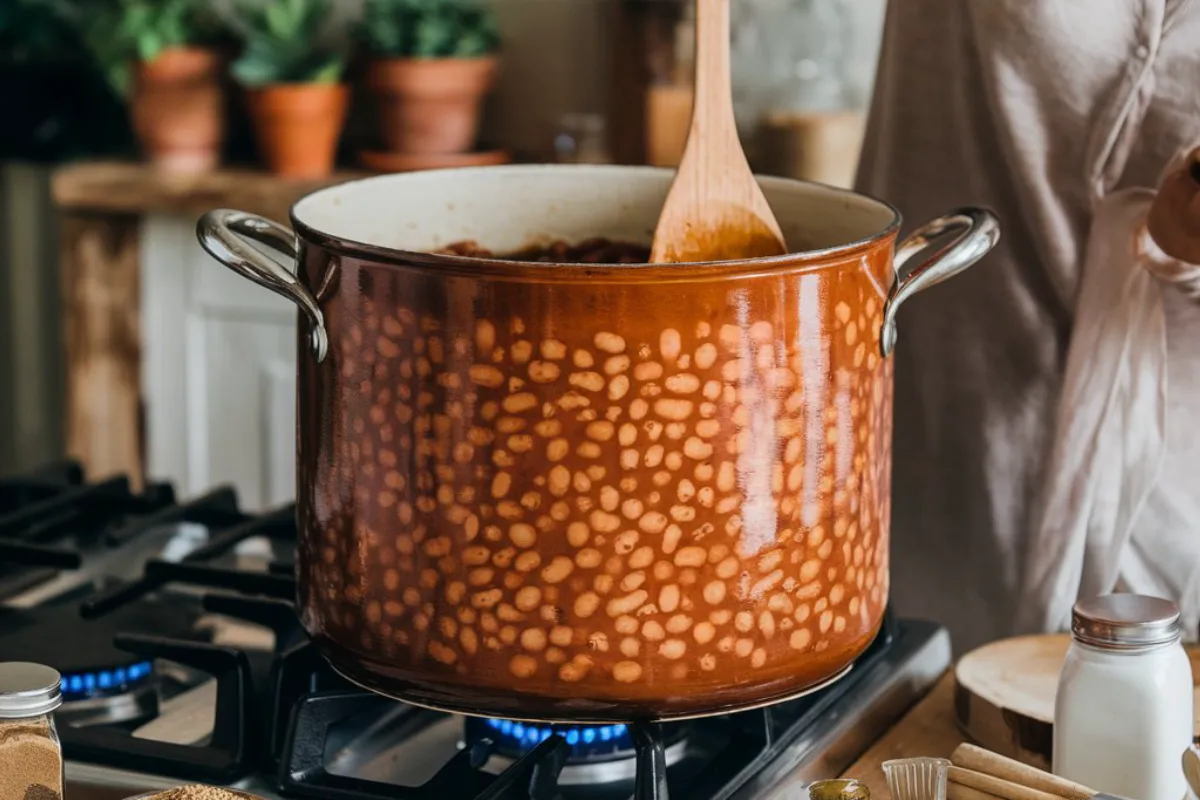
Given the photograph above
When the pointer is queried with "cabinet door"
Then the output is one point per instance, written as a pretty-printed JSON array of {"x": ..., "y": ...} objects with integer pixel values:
[{"x": 219, "y": 372}]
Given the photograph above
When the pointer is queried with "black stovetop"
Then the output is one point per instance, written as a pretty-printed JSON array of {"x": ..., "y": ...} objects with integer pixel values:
[{"x": 283, "y": 718}]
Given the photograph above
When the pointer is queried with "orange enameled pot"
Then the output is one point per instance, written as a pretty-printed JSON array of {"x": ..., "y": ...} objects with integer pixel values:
[{"x": 590, "y": 491}]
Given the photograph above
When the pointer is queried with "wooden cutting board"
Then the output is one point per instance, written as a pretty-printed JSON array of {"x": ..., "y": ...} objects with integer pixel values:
[{"x": 1004, "y": 695}]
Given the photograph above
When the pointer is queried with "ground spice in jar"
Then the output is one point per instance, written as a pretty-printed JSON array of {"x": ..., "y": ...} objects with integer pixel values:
[
  {"x": 198, "y": 792},
  {"x": 31, "y": 760},
  {"x": 31, "y": 763}
]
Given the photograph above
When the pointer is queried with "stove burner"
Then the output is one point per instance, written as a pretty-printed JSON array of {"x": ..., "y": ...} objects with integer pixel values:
[
  {"x": 101, "y": 683},
  {"x": 106, "y": 696},
  {"x": 106, "y": 682},
  {"x": 588, "y": 742},
  {"x": 598, "y": 754}
]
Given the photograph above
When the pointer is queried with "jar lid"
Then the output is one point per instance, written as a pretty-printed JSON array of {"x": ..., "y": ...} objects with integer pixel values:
[
  {"x": 28, "y": 690},
  {"x": 1125, "y": 621}
]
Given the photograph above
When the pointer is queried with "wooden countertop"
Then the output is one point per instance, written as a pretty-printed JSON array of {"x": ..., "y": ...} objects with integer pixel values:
[
  {"x": 926, "y": 730},
  {"x": 136, "y": 188}
]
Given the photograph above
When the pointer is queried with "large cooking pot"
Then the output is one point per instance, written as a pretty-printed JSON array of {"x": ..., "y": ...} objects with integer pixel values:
[{"x": 589, "y": 492}]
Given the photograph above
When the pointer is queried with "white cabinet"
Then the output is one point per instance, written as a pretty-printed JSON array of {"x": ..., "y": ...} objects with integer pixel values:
[{"x": 218, "y": 372}]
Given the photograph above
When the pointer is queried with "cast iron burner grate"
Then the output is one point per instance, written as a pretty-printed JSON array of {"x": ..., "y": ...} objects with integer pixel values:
[
  {"x": 236, "y": 747},
  {"x": 726, "y": 754},
  {"x": 49, "y": 516},
  {"x": 52, "y": 520},
  {"x": 101, "y": 684}
]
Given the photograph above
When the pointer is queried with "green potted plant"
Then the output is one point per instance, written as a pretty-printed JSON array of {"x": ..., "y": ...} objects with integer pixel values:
[
  {"x": 160, "y": 54},
  {"x": 292, "y": 78},
  {"x": 431, "y": 64}
]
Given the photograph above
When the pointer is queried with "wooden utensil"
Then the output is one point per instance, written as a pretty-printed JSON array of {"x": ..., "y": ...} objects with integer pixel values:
[
  {"x": 979, "y": 760},
  {"x": 997, "y": 787},
  {"x": 956, "y": 791},
  {"x": 715, "y": 210},
  {"x": 1004, "y": 694},
  {"x": 1000, "y": 778}
]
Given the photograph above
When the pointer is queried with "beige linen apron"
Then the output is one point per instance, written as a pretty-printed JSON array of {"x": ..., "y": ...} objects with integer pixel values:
[{"x": 1053, "y": 113}]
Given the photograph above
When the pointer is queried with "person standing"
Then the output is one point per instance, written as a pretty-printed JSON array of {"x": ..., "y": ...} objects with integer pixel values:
[{"x": 1063, "y": 118}]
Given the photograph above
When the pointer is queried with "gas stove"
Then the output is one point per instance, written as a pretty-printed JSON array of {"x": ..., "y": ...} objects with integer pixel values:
[{"x": 183, "y": 660}]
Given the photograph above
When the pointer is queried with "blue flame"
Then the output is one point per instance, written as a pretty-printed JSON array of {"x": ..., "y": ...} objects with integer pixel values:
[
  {"x": 526, "y": 734},
  {"x": 83, "y": 685}
]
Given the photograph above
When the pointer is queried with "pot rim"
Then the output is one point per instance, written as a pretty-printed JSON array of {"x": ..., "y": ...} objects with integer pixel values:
[{"x": 551, "y": 271}]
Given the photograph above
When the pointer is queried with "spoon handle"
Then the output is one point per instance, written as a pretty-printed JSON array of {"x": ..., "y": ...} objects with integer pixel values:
[{"x": 713, "y": 103}]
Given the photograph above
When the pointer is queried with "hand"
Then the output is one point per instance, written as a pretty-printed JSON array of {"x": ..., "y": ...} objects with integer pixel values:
[{"x": 1174, "y": 221}]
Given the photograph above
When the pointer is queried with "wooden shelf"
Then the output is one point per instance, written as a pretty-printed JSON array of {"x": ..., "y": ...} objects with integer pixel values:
[
  {"x": 133, "y": 188},
  {"x": 101, "y": 207}
]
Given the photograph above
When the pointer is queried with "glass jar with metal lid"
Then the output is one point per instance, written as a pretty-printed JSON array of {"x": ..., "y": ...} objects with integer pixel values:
[
  {"x": 1123, "y": 714},
  {"x": 31, "y": 762}
]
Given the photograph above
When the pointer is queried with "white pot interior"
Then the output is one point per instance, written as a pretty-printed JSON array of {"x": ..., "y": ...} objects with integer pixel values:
[{"x": 505, "y": 208}]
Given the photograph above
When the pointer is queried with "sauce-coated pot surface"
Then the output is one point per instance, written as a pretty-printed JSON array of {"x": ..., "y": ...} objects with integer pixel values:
[{"x": 590, "y": 492}]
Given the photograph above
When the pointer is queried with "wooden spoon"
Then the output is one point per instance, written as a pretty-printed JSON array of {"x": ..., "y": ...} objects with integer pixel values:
[{"x": 715, "y": 210}]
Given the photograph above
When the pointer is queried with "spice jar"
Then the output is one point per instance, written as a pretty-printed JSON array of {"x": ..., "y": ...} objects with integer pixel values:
[
  {"x": 838, "y": 790},
  {"x": 31, "y": 763},
  {"x": 1123, "y": 714}
]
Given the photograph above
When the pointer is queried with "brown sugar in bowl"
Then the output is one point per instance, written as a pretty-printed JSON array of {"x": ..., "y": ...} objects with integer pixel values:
[
  {"x": 197, "y": 792},
  {"x": 590, "y": 491}
]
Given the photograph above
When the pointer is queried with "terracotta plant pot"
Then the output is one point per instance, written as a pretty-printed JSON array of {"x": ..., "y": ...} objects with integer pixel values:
[
  {"x": 430, "y": 106},
  {"x": 178, "y": 110},
  {"x": 297, "y": 126}
]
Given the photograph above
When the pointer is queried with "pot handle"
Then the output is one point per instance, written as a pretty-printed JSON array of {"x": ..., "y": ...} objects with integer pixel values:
[
  {"x": 978, "y": 230},
  {"x": 220, "y": 233}
]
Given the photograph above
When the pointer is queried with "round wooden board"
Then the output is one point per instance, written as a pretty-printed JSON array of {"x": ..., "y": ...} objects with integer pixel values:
[{"x": 1004, "y": 694}]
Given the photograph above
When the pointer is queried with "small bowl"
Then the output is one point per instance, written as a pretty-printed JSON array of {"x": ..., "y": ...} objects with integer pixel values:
[
  {"x": 839, "y": 789},
  {"x": 238, "y": 792},
  {"x": 917, "y": 778}
]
